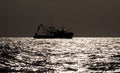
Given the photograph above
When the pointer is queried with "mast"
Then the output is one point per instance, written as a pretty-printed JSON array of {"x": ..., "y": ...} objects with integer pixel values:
[
  {"x": 41, "y": 30},
  {"x": 40, "y": 26}
]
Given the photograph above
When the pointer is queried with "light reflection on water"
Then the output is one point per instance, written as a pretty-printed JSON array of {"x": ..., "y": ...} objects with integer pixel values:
[{"x": 60, "y": 55}]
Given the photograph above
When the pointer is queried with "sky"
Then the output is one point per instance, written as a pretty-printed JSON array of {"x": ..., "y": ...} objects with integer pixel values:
[{"x": 86, "y": 18}]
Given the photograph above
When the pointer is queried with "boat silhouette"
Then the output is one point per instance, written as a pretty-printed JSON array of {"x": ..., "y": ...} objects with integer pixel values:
[{"x": 52, "y": 32}]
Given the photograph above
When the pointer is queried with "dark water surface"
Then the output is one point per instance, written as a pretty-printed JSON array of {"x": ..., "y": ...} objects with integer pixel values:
[{"x": 77, "y": 55}]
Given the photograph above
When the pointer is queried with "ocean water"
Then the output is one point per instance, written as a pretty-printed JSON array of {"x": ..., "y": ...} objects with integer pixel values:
[{"x": 77, "y": 55}]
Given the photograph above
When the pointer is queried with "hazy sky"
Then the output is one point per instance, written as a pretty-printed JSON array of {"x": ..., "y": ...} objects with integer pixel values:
[{"x": 83, "y": 17}]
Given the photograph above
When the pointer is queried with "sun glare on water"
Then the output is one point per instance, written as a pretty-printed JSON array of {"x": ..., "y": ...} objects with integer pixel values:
[{"x": 60, "y": 55}]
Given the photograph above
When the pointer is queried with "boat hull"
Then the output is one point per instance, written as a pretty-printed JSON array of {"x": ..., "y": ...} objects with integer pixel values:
[
  {"x": 66, "y": 36},
  {"x": 52, "y": 37}
]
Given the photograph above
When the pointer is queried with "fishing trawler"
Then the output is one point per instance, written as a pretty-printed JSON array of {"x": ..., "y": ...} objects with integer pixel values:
[{"x": 52, "y": 32}]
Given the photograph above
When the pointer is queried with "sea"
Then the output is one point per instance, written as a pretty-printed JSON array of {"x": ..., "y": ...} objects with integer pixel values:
[{"x": 76, "y": 55}]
